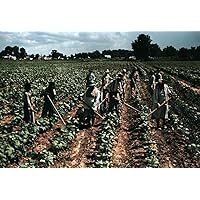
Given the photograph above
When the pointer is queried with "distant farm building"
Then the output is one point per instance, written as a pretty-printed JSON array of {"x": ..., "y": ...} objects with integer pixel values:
[{"x": 107, "y": 56}]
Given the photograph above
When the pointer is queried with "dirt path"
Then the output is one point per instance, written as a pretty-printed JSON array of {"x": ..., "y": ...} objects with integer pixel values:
[
  {"x": 6, "y": 120},
  {"x": 185, "y": 83},
  {"x": 128, "y": 150},
  {"x": 81, "y": 150},
  {"x": 120, "y": 155}
]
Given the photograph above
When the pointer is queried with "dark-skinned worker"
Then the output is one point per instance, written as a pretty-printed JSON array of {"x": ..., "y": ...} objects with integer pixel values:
[
  {"x": 161, "y": 94},
  {"x": 106, "y": 79},
  {"x": 28, "y": 107},
  {"x": 91, "y": 97},
  {"x": 115, "y": 90},
  {"x": 90, "y": 77},
  {"x": 50, "y": 91}
]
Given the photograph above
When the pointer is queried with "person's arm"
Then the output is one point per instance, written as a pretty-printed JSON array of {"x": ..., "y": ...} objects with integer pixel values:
[
  {"x": 54, "y": 92},
  {"x": 156, "y": 96},
  {"x": 94, "y": 77},
  {"x": 28, "y": 101},
  {"x": 97, "y": 99},
  {"x": 167, "y": 92}
]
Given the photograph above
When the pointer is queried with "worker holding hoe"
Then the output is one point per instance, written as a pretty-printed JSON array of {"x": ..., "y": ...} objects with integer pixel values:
[
  {"x": 115, "y": 90},
  {"x": 106, "y": 79},
  {"x": 161, "y": 96},
  {"x": 49, "y": 95},
  {"x": 124, "y": 82},
  {"x": 91, "y": 99},
  {"x": 132, "y": 82},
  {"x": 152, "y": 85},
  {"x": 28, "y": 107}
]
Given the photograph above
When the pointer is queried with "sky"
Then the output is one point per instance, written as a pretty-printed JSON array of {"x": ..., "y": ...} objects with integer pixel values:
[{"x": 75, "y": 42}]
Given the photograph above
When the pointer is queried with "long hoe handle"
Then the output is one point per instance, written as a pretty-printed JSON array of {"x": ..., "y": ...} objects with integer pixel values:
[
  {"x": 56, "y": 110},
  {"x": 153, "y": 111},
  {"x": 92, "y": 109},
  {"x": 129, "y": 105}
]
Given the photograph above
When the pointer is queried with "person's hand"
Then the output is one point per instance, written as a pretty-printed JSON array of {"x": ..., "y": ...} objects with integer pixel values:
[
  {"x": 94, "y": 108},
  {"x": 80, "y": 97}
]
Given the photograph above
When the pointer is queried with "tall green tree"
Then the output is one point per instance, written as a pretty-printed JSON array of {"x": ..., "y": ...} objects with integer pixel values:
[
  {"x": 184, "y": 54},
  {"x": 8, "y": 50},
  {"x": 141, "y": 47},
  {"x": 169, "y": 51},
  {"x": 16, "y": 52},
  {"x": 23, "y": 53},
  {"x": 155, "y": 51}
]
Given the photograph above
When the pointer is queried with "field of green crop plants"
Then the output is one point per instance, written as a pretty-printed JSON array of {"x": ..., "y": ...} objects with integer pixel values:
[{"x": 131, "y": 141}]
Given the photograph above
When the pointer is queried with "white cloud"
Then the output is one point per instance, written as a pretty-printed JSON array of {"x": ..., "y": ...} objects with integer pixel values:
[{"x": 75, "y": 42}]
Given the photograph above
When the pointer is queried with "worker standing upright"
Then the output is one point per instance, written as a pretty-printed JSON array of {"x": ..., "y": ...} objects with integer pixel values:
[
  {"x": 161, "y": 95},
  {"x": 49, "y": 92},
  {"x": 28, "y": 107},
  {"x": 106, "y": 79},
  {"x": 91, "y": 99},
  {"x": 90, "y": 77},
  {"x": 115, "y": 90}
]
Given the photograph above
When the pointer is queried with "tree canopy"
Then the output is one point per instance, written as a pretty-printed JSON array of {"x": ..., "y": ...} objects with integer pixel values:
[{"x": 141, "y": 47}]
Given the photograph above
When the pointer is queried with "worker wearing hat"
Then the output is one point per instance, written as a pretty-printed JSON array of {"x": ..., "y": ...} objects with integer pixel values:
[
  {"x": 124, "y": 81},
  {"x": 90, "y": 77},
  {"x": 115, "y": 90},
  {"x": 91, "y": 98},
  {"x": 28, "y": 107},
  {"x": 161, "y": 95},
  {"x": 51, "y": 93},
  {"x": 106, "y": 79}
]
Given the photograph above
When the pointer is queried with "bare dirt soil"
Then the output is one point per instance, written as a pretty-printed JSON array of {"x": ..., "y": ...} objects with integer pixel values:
[
  {"x": 185, "y": 83},
  {"x": 128, "y": 150},
  {"x": 81, "y": 150}
]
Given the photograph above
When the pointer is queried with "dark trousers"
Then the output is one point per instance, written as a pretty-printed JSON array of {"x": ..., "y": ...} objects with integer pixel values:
[
  {"x": 47, "y": 109},
  {"x": 113, "y": 103},
  {"x": 104, "y": 105},
  {"x": 90, "y": 117},
  {"x": 28, "y": 115}
]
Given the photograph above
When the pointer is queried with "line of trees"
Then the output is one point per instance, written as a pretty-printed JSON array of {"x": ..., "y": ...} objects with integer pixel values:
[
  {"x": 15, "y": 52},
  {"x": 120, "y": 53},
  {"x": 142, "y": 49}
]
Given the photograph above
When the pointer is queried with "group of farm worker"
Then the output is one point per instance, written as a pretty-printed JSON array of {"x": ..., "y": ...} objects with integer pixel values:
[
  {"x": 106, "y": 99},
  {"x": 48, "y": 93}
]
